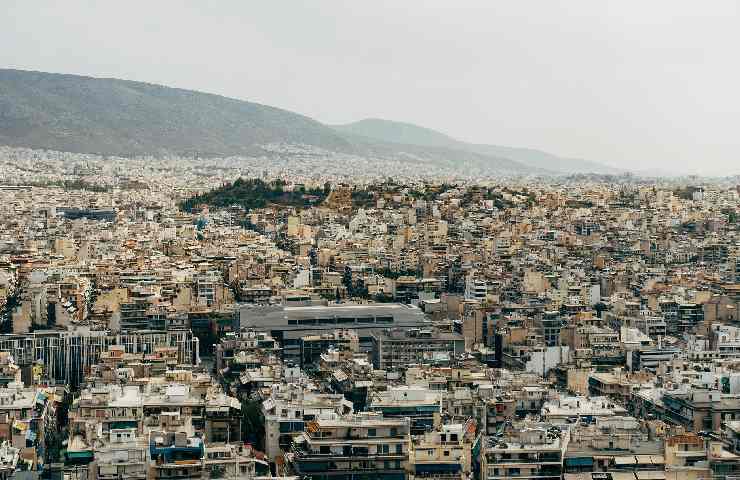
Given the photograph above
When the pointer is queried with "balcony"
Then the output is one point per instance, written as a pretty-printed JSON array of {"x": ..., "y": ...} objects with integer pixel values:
[
  {"x": 332, "y": 468},
  {"x": 436, "y": 469},
  {"x": 171, "y": 451},
  {"x": 691, "y": 453},
  {"x": 117, "y": 471},
  {"x": 352, "y": 456}
]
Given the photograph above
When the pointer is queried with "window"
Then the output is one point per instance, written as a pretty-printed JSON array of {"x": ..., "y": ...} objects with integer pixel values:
[
  {"x": 447, "y": 453},
  {"x": 399, "y": 448},
  {"x": 324, "y": 449},
  {"x": 394, "y": 431},
  {"x": 371, "y": 432}
]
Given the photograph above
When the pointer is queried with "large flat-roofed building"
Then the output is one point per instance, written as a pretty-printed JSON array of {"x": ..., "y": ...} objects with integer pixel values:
[
  {"x": 288, "y": 324},
  {"x": 72, "y": 213}
]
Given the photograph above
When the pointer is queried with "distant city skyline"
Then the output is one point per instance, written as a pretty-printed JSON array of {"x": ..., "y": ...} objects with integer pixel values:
[{"x": 644, "y": 86}]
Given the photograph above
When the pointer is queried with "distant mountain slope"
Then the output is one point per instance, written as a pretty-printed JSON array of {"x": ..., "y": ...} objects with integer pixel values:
[
  {"x": 95, "y": 115},
  {"x": 455, "y": 159},
  {"x": 407, "y": 133},
  {"x": 398, "y": 132},
  {"x": 79, "y": 114}
]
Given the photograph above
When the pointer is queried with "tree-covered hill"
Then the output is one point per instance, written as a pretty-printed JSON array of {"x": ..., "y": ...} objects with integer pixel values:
[{"x": 255, "y": 193}]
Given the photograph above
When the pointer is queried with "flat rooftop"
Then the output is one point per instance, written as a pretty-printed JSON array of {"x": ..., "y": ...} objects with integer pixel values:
[{"x": 332, "y": 315}]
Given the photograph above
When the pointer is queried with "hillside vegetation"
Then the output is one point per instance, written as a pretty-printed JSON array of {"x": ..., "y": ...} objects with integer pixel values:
[
  {"x": 99, "y": 115},
  {"x": 255, "y": 193}
]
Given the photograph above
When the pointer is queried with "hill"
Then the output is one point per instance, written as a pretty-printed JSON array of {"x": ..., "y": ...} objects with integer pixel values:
[
  {"x": 80, "y": 114},
  {"x": 453, "y": 159},
  {"x": 398, "y": 132},
  {"x": 254, "y": 193},
  {"x": 100, "y": 115},
  {"x": 407, "y": 133}
]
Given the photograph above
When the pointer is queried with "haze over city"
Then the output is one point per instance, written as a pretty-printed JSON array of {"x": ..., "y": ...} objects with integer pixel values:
[
  {"x": 646, "y": 86},
  {"x": 408, "y": 240}
]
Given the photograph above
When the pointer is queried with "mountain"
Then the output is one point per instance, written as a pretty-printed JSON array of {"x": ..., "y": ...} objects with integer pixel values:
[
  {"x": 446, "y": 158},
  {"x": 80, "y": 114},
  {"x": 398, "y": 132},
  {"x": 101, "y": 115},
  {"x": 407, "y": 133}
]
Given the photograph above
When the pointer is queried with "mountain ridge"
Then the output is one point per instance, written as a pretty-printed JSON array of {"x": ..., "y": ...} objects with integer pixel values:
[
  {"x": 110, "y": 116},
  {"x": 392, "y": 130}
]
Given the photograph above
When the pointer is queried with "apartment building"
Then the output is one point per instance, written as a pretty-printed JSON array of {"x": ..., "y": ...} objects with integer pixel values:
[
  {"x": 356, "y": 446},
  {"x": 397, "y": 348},
  {"x": 445, "y": 453},
  {"x": 529, "y": 451}
]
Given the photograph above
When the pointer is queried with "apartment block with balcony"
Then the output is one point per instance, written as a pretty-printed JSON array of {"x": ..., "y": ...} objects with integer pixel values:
[
  {"x": 528, "y": 451},
  {"x": 416, "y": 403},
  {"x": 353, "y": 447},
  {"x": 287, "y": 410},
  {"x": 444, "y": 454},
  {"x": 396, "y": 348}
]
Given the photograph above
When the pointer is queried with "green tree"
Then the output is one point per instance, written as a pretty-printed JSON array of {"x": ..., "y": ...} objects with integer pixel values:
[{"x": 253, "y": 423}]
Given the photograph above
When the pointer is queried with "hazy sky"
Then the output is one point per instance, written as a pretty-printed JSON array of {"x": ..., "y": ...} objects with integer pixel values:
[{"x": 640, "y": 84}]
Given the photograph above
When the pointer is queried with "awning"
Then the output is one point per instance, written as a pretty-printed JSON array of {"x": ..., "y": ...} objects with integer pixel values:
[
  {"x": 650, "y": 475},
  {"x": 622, "y": 475},
  {"x": 579, "y": 462},
  {"x": 650, "y": 459},
  {"x": 217, "y": 409}
]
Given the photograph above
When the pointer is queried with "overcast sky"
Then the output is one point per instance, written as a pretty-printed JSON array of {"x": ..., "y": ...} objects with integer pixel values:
[{"x": 639, "y": 84}]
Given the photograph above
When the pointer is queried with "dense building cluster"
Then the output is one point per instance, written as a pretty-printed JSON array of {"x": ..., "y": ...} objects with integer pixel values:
[{"x": 399, "y": 327}]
